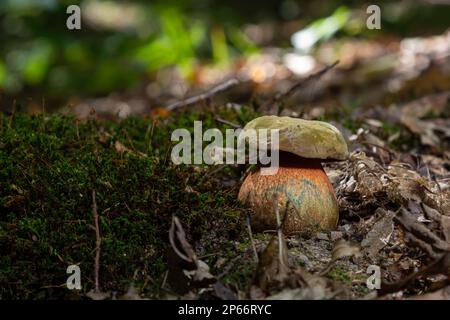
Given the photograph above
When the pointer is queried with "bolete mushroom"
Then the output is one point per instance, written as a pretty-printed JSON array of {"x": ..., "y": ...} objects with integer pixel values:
[{"x": 302, "y": 189}]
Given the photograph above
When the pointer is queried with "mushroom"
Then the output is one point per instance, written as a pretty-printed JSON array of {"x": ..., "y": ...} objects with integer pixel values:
[{"x": 303, "y": 191}]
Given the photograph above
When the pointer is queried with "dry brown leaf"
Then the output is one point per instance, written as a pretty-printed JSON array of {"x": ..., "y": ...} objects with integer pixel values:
[
  {"x": 366, "y": 175},
  {"x": 120, "y": 148},
  {"x": 343, "y": 249},
  {"x": 186, "y": 271},
  {"x": 98, "y": 295},
  {"x": 312, "y": 288},
  {"x": 379, "y": 235},
  {"x": 223, "y": 292},
  {"x": 270, "y": 269},
  {"x": 412, "y": 112}
]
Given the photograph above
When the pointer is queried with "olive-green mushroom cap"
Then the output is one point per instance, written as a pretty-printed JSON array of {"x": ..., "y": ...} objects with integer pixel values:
[{"x": 305, "y": 138}]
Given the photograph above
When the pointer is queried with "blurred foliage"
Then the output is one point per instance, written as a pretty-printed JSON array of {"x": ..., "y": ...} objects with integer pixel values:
[
  {"x": 321, "y": 29},
  {"x": 118, "y": 44},
  {"x": 122, "y": 42}
]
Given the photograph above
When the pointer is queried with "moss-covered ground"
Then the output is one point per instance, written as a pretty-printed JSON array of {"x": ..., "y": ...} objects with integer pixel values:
[{"x": 49, "y": 166}]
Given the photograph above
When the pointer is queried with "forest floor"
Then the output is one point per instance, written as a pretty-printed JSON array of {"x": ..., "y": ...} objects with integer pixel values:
[{"x": 99, "y": 190}]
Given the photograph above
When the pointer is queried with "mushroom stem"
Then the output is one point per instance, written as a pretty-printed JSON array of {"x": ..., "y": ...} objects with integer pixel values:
[{"x": 301, "y": 187}]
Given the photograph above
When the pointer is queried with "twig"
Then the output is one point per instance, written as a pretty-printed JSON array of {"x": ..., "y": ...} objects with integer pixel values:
[
  {"x": 54, "y": 286},
  {"x": 305, "y": 81},
  {"x": 230, "y": 265},
  {"x": 212, "y": 172},
  {"x": 439, "y": 265},
  {"x": 421, "y": 233},
  {"x": 98, "y": 241},
  {"x": 13, "y": 113},
  {"x": 279, "y": 231},
  {"x": 164, "y": 279},
  {"x": 280, "y": 224},
  {"x": 77, "y": 122},
  {"x": 441, "y": 294},
  {"x": 249, "y": 229},
  {"x": 378, "y": 146},
  {"x": 425, "y": 239},
  {"x": 204, "y": 96},
  {"x": 231, "y": 124}
]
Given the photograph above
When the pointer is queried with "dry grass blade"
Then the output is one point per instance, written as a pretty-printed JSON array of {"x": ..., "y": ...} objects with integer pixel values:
[
  {"x": 98, "y": 241},
  {"x": 250, "y": 233}
]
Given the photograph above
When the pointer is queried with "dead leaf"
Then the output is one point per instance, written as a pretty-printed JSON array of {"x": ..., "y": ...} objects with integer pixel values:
[
  {"x": 223, "y": 292},
  {"x": 270, "y": 269},
  {"x": 445, "y": 225},
  {"x": 343, "y": 249},
  {"x": 379, "y": 235},
  {"x": 256, "y": 293},
  {"x": 131, "y": 294},
  {"x": 98, "y": 295},
  {"x": 442, "y": 294},
  {"x": 186, "y": 271},
  {"x": 200, "y": 276},
  {"x": 120, "y": 148},
  {"x": 312, "y": 288},
  {"x": 412, "y": 112},
  {"x": 367, "y": 173}
]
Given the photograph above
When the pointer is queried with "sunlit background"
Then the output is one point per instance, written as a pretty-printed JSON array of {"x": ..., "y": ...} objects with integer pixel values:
[{"x": 154, "y": 52}]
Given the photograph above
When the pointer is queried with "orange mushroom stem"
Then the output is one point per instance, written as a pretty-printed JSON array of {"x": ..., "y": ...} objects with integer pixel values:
[{"x": 303, "y": 192}]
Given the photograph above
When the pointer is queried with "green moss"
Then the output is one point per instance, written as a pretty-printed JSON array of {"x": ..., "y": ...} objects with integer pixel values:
[
  {"x": 405, "y": 141},
  {"x": 49, "y": 165},
  {"x": 339, "y": 274}
]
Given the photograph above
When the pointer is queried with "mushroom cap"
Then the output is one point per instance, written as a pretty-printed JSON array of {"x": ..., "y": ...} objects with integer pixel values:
[{"x": 305, "y": 138}]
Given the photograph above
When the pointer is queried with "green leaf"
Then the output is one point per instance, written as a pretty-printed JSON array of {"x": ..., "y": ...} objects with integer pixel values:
[{"x": 2, "y": 73}]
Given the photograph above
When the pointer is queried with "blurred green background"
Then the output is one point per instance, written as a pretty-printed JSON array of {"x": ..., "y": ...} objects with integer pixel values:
[{"x": 123, "y": 43}]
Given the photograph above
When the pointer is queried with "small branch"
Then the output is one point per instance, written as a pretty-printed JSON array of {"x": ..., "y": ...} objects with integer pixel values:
[
  {"x": 249, "y": 229},
  {"x": 377, "y": 146},
  {"x": 280, "y": 224},
  {"x": 422, "y": 237},
  {"x": 77, "y": 127},
  {"x": 98, "y": 241},
  {"x": 204, "y": 96},
  {"x": 439, "y": 265},
  {"x": 279, "y": 230},
  {"x": 231, "y": 124},
  {"x": 13, "y": 113},
  {"x": 421, "y": 232},
  {"x": 302, "y": 83}
]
